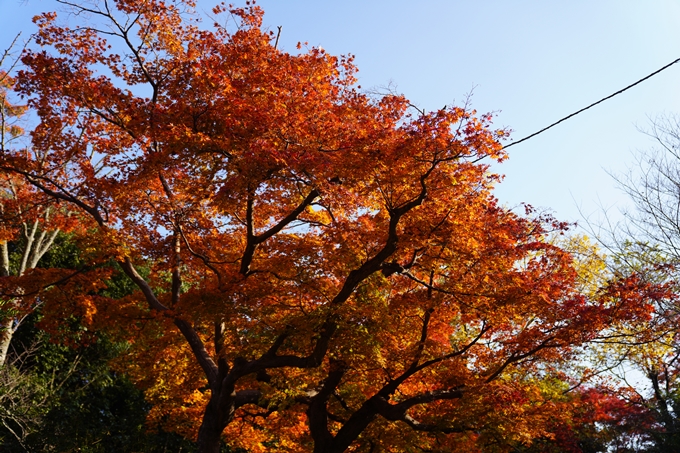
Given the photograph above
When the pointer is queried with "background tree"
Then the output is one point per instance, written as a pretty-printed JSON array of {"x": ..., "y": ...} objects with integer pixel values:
[
  {"x": 29, "y": 221},
  {"x": 652, "y": 186},
  {"x": 85, "y": 404},
  {"x": 58, "y": 391},
  {"x": 647, "y": 243},
  {"x": 327, "y": 270}
]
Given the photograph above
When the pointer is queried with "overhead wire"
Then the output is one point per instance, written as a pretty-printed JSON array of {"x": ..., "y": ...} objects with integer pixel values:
[{"x": 591, "y": 105}]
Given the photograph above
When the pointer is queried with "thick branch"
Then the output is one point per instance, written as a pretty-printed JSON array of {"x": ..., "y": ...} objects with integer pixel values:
[
  {"x": 42, "y": 246},
  {"x": 61, "y": 195},
  {"x": 198, "y": 348},
  {"x": 44, "y": 286},
  {"x": 431, "y": 428},
  {"x": 514, "y": 357},
  {"x": 376, "y": 263},
  {"x": 317, "y": 412},
  {"x": 270, "y": 359},
  {"x": 393, "y": 384},
  {"x": 176, "y": 243},
  {"x": 423, "y": 338},
  {"x": 195, "y": 342},
  {"x": 4, "y": 254},
  {"x": 137, "y": 279},
  {"x": 288, "y": 219},
  {"x": 661, "y": 402},
  {"x": 244, "y": 397},
  {"x": 485, "y": 328},
  {"x": 377, "y": 405},
  {"x": 250, "y": 236},
  {"x": 30, "y": 239},
  {"x": 223, "y": 367},
  {"x": 208, "y": 263},
  {"x": 398, "y": 411},
  {"x": 176, "y": 276},
  {"x": 252, "y": 239}
]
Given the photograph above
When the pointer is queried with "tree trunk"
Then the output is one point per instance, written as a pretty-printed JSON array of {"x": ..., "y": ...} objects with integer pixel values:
[
  {"x": 6, "y": 326},
  {"x": 5, "y": 339},
  {"x": 208, "y": 438},
  {"x": 210, "y": 433}
]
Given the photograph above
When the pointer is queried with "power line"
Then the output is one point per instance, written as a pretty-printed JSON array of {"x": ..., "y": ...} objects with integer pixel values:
[{"x": 592, "y": 105}]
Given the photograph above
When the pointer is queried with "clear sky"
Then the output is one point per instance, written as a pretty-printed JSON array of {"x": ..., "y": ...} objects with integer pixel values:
[{"x": 532, "y": 62}]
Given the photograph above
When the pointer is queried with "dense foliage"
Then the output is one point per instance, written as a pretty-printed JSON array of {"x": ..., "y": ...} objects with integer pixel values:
[{"x": 282, "y": 262}]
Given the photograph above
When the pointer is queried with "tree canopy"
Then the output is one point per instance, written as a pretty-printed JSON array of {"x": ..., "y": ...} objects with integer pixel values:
[{"x": 315, "y": 268}]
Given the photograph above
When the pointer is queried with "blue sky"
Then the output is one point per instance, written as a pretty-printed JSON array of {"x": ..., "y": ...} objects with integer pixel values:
[{"x": 533, "y": 62}]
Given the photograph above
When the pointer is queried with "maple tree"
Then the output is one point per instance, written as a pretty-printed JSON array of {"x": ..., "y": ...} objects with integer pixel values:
[{"x": 333, "y": 264}]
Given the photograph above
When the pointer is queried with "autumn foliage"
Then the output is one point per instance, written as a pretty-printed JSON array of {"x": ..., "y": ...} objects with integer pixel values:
[
  {"x": 30, "y": 221},
  {"x": 318, "y": 269}
]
